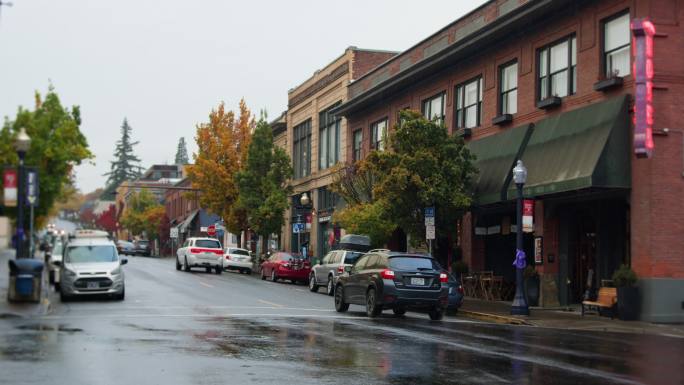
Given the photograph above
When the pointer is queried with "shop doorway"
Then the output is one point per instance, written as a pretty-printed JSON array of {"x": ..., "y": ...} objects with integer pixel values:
[{"x": 584, "y": 268}]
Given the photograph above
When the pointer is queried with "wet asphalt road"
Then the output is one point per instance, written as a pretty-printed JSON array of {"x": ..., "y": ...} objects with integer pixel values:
[{"x": 199, "y": 328}]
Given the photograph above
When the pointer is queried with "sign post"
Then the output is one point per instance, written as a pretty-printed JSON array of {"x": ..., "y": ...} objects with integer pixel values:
[
  {"x": 430, "y": 226},
  {"x": 32, "y": 198}
]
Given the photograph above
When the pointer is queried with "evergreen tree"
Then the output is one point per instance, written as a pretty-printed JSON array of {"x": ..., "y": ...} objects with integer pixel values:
[
  {"x": 262, "y": 183},
  {"x": 125, "y": 165},
  {"x": 182, "y": 152}
]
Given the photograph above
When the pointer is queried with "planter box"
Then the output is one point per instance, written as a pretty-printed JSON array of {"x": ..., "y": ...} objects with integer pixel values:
[{"x": 628, "y": 303}]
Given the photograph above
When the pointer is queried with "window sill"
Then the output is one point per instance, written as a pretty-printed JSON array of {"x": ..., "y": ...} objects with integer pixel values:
[
  {"x": 607, "y": 84},
  {"x": 547, "y": 103},
  {"x": 502, "y": 119},
  {"x": 464, "y": 132}
]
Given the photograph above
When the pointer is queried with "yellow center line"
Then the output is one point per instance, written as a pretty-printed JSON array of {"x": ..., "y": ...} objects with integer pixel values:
[
  {"x": 270, "y": 303},
  {"x": 205, "y": 284}
]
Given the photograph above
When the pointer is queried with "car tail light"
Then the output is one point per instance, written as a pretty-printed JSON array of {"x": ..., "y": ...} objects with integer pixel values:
[
  {"x": 443, "y": 278},
  {"x": 218, "y": 252},
  {"x": 387, "y": 274},
  {"x": 194, "y": 251},
  {"x": 460, "y": 289},
  {"x": 340, "y": 269},
  {"x": 228, "y": 256}
]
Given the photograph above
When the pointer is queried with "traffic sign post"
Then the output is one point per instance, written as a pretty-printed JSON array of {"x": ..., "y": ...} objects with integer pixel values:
[
  {"x": 430, "y": 226},
  {"x": 32, "y": 198}
]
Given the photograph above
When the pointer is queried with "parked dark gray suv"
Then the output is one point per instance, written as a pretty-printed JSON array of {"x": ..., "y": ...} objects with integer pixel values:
[
  {"x": 326, "y": 272},
  {"x": 391, "y": 280}
]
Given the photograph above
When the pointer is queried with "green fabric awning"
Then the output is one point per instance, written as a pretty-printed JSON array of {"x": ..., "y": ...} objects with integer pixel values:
[
  {"x": 496, "y": 155},
  {"x": 585, "y": 148}
]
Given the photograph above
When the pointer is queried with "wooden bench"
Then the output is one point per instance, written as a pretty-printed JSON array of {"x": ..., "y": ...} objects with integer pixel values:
[{"x": 607, "y": 298}]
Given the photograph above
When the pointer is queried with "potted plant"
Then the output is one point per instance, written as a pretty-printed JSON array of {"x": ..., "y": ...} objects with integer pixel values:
[
  {"x": 625, "y": 280},
  {"x": 531, "y": 284}
]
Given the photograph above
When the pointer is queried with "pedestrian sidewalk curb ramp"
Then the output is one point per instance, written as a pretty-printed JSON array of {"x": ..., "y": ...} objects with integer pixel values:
[{"x": 495, "y": 318}]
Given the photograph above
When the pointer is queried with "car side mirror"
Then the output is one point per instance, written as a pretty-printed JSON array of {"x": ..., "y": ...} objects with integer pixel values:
[
  {"x": 124, "y": 261},
  {"x": 57, "y": 263},
  {"x": 348, "y": 269}
]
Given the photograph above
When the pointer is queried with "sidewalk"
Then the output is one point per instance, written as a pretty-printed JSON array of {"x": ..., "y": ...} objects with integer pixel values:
[
  {"x": 571, "y": 318},
  {"x": 28, "y": 309}
]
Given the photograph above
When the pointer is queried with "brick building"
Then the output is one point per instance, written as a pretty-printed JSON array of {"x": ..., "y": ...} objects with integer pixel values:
[
  {"x": 553, "y": 83},
  {"x": 315, "y": 142}
]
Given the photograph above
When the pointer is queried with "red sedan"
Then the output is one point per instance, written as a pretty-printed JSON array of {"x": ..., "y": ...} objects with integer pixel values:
[{"x": 286, "y": 266}]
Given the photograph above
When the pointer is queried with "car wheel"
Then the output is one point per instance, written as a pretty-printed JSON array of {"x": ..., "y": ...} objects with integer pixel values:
[
  {"x": 399, "y": 311},
  {"x": 436, "y": 314},
  {"x": 219, "y": 270},
  {"x": 372, "y": 308},
  {"x": 51, "y": 277},
  {"x": 58, "y": 287},
  {"x": 63, "y": 297},
  {"x": 313, "y": 287},
  {"x": 274, "y": 277},
  {"x": 122, "y": 295},
  {"x": 207, "y": 269},
  {"x": 178, "y": 264},
  {"x": 340, "y": 305},
  {"x": 186, "y": 267},
  {"x": 248, "y": 271},
  {"x": 263, "y": 275},
  {"x": 330, "y": 289}
]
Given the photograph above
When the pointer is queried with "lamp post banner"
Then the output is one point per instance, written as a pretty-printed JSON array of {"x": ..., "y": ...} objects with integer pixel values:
[
  {"x": 10, "y": 180},
  {"x": 528, "y": 216}
]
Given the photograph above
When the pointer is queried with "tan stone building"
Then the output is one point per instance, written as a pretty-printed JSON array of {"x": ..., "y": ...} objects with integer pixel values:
[{"x": 316, "y": 142}]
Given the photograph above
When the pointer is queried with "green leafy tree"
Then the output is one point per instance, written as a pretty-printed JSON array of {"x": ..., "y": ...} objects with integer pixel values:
[
  {"x": 125, "y": 166},
  {"x": 57, "y": 146},
  {"x": 182, "y": 152},
  {"x": 262, "y": 183},
  {"x": 424, "y": 166}
]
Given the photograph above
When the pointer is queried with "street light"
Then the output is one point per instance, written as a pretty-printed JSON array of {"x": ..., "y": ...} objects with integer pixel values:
[
  {"x": 304, "y": 200},
  {"x": 519, "y": 306},
  {"x": 21, "y": 145}
]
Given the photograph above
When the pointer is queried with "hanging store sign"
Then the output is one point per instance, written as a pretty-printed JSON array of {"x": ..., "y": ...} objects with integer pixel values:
[
  {"x": 538, "y": 250},
  {"x": 10, "y": 182},
  {"x": 528, "y": 216},
  {"x": 642, "y": 68}
]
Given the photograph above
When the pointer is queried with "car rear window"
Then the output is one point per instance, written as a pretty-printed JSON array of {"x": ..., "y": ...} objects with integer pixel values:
[
  {"x": 351, "y": 258},
  {"x": 239, "y": 252},
  {"x": 207, "y": 243},
  {"x": 413, "y": 263}
]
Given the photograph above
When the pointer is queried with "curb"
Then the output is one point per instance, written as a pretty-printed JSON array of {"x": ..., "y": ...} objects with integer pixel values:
[{"x": 494, "y": 318}]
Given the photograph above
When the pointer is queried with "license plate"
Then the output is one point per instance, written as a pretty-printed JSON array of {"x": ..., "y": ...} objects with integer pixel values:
[
  {"x": 93, "y": 285},
  {"x": 418, "y": 281}
]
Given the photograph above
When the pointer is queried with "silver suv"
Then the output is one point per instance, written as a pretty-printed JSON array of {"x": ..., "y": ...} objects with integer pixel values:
[
  {"x": 326, "y": 272},
  {"x": 91, "y": 266}
]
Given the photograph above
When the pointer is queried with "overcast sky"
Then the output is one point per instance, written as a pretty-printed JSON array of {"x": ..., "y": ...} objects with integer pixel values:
[{"x": 164, "y": 64}]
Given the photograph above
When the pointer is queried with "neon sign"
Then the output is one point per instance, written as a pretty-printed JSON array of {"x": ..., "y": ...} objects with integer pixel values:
[{"x": 642, "y": 68}]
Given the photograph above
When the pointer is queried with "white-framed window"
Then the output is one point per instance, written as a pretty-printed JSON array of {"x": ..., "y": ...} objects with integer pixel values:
[
  {"x": 616, "y": 46},
  {"x": 508, "y": 86},
  {"x": 433, "y": 108},
  {"x": 379, "y": 134},
  {"x": 558, "y": 69},
  {"x": 469, "y": 103}
]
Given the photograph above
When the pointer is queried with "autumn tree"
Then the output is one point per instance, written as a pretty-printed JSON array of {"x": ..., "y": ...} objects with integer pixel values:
[
  {"x": 222, "y": 148},
  {"x": 182, "y": 152},
  {"x": 262, "y": 183},
  {"x": 125, "y": 166},
  {"x": 57, "y": 146},
  {"x": 106, "y": 220},
  {"x": 143, "y": 215}
]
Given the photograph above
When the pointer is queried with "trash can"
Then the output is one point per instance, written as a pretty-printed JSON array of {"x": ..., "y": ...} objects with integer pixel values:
[{"x": 26, "y": 277}]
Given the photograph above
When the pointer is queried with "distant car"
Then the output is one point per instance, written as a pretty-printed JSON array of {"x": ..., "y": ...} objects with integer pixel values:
[
  {"x": 55, "y": 262},
  {"x": 237, "y": 259},
  {"x": 391, "y": 280},
  {"x": 142, "y": 247},
  {"x": 455, "y": 294},
  {"x": 283, "y": 265},
  {"x": 125, "y": 247},
  {"x": 326, "y": 272},
  {"x": 200, "y": 252},
  {"x": 91, "y": 266}
]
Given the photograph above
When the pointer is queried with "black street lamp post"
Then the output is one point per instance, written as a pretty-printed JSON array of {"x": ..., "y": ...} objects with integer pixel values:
[
  {"x": 21, "y": 145},
  {"x": 519, "y": 303}
]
